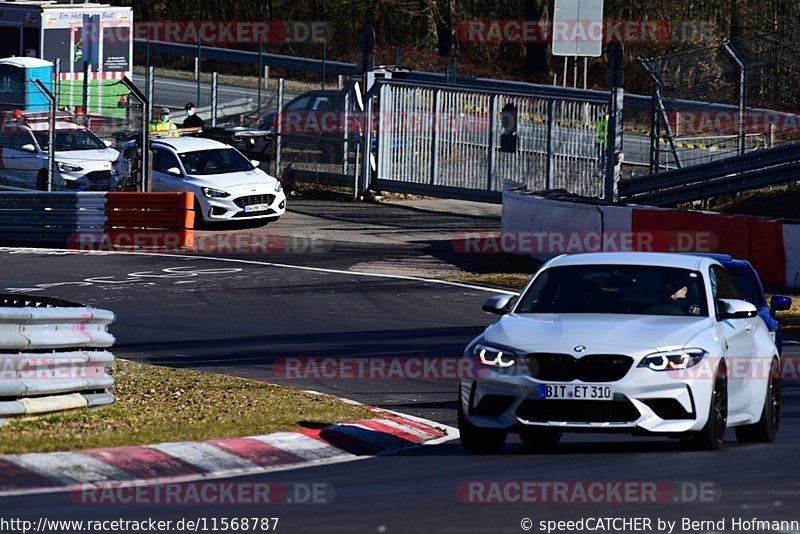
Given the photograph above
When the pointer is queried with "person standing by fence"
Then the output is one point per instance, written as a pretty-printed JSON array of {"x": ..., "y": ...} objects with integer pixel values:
[{"x": 601, "y": 140}]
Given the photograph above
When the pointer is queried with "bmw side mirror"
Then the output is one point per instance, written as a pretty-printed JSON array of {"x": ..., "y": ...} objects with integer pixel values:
[
  {"x": 498, "y": 304},
  {"x": 780, "y": 303},
  {"x": 736, "y": 309},
  {"x": 174, "y": 171},
  {"x": 28, "y": 148},
  {"x": 255, "y": 162}
]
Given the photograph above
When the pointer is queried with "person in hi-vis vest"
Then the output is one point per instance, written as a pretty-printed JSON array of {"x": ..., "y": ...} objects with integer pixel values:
[
  {"x": 163, "y": 125},
  {"x": 601, "y": 140}
]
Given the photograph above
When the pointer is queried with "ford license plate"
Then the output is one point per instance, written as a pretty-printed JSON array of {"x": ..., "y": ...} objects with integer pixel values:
[{"x": 256, "y": 207}]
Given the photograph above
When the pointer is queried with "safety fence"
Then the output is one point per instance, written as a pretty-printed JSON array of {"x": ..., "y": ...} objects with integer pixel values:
[
  {"x": 719, "y": 101},
  {"x": 95, "y": 220},
  {"x": 52, "y": 356},
  {"x": 465, "y": 142}
]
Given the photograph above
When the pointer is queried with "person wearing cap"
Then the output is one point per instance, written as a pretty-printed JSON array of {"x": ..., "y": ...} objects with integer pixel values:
[
  {"x": 192, "y": 120},
  {"x": 163, "y": 125}
]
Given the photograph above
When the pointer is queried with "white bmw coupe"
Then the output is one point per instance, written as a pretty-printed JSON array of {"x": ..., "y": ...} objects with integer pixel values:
[{"x": 659, "y": 344}]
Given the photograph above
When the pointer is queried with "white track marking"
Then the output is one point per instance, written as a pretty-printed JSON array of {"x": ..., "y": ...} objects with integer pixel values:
[{"x": 270, "y": 264}]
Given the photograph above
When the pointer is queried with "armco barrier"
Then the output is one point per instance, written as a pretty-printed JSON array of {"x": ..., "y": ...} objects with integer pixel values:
[
  {"x": 773, "y": 247},
  {"x": 76, "y": 220},
  {"x": 52, "y": 357}
]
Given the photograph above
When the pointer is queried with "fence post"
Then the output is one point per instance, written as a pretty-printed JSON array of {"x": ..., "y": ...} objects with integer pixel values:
[
  {"x": 551, "y": 117},
  {"x": 51, "y": 117},
  {"x": 279, "y": 129},
  {"x": 57, "y": 82},
  {"x": 145, "y": 185},
  {"x": 365, "y": 169},
  {"x": 146, "y": 104},
  {"x": 655, "y": 133},
  {"x": 85, "y": 93},
  {"x": 324, "y": 61},
  {"x": 740, "y": 62},
  {"x": 659, "y": 113},
  {"x": 344, "y": 120},
  {"x": 214, "y": 98},
  {"x": 490, "y": 155},
  {"x": 437, "y": 110},
  {"x": 260, "y": 69},
  {"x": 197, "y": 68}
]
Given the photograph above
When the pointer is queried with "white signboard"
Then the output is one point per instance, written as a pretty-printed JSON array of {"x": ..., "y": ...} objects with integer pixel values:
[{"x": 578, "y": 28}]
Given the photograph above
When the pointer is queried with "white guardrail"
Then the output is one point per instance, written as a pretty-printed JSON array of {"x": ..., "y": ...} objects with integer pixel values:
[{"x": 52, "y": 357}]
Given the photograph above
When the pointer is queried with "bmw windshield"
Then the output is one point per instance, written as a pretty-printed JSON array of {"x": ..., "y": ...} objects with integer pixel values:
[{"x": 620, "y": 289}]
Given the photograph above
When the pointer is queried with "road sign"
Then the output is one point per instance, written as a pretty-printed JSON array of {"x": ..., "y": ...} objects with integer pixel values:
[{"x": 578, "y": 28}]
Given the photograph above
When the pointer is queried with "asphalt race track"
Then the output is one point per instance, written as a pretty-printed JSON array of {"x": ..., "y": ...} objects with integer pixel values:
[{"x": 240, "y": 318}]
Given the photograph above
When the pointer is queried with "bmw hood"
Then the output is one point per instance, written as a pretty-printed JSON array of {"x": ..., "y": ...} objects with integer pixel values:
[{"x": 562, "y": 332}]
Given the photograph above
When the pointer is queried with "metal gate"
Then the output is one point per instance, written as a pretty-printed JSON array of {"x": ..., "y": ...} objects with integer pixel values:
[{"x": 439, "y": 139}]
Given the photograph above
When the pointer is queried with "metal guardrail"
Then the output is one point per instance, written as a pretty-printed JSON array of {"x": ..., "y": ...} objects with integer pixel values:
[
  {"x": 738, "y": 173},
  {"x": 94, "y": 219},
  {"x": 52, "y": 357}
]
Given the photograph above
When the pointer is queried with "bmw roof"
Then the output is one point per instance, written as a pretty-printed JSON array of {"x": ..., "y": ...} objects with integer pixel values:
[{"x": 662, "y": 259}]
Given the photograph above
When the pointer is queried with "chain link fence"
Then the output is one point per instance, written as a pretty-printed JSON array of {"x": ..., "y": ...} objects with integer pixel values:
[{"x": 716, "y": 102}]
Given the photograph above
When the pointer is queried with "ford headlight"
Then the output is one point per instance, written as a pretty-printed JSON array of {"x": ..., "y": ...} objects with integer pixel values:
[
  {"x": 278, "y": 186},
  {"x": 66, "y": 167},
  {"x": 673, "y": 360},
  {"x": 215, "y": 193},
  {"x": 494, "y": 356}
]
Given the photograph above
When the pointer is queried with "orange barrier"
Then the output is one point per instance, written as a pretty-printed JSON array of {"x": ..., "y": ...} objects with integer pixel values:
[{"x": 150, "y": 219}]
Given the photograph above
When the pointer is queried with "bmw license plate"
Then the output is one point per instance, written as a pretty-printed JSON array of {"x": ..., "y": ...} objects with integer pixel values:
[
  {"x": 256, "y": 207},
  {"x": 576, "y": 392}
]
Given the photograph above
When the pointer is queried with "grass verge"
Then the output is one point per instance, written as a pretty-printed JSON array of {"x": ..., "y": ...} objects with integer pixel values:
[
  {"x": 158, "y": 404},
  {"x": 512, "y": 281}
]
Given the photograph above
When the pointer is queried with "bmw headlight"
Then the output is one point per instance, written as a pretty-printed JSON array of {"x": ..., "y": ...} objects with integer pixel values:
[
  {"x": 278, "y": 186},
  {"x": 494, "y": 356},
  {"x": 673, "y": 360},
  {"x": 215, "y": 193},
  {"x": 66, "y": 167}
]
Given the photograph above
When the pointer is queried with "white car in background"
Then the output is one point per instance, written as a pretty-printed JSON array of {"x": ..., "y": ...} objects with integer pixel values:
[
  {"x": 227, "y": 186},
  {"x": 83, "y": 161},
  {"x": 658, "y": 344}
]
